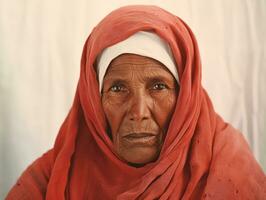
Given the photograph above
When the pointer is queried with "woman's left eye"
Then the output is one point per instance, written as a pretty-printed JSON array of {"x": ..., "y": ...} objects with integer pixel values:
[{"x": 159, "y": 86}]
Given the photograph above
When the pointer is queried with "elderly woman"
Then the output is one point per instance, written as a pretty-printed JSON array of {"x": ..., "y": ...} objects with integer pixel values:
[{"x": 141, "y": 125}]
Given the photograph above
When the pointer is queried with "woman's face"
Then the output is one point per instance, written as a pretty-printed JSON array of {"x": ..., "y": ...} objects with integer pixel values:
[{"x": 138, "y": 97}]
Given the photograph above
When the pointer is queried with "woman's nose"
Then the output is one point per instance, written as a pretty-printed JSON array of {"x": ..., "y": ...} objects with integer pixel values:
[{"x": 139, "y": 107}]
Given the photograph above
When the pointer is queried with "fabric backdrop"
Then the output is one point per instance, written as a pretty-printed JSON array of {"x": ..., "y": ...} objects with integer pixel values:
[{"x": 40, "y": 49}]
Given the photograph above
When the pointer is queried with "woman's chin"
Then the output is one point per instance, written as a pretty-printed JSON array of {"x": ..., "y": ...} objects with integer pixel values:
[{"x": 139, "y": 156}]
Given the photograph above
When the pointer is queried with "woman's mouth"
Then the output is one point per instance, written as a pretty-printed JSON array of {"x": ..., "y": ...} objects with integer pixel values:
[{"x": 141, "y": 139}]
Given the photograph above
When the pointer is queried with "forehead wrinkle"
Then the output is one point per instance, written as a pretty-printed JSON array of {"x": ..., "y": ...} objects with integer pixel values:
[
  {"x": 151, "y": 67},
  {"x": 114, "y": 66},
  {"x": 142, "y": 74}
]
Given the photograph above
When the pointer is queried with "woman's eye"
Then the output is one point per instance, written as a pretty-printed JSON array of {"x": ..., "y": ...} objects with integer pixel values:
[
  {"x": 116, "y": 88},
  {"x": 159, "y": 86}
]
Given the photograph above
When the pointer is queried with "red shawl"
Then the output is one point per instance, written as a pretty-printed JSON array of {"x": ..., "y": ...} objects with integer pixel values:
[{"x": 202, "y": 156}]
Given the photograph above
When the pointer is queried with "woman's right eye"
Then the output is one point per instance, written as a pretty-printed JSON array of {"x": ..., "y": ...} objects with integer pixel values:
[{"x": 116, "y": 88}]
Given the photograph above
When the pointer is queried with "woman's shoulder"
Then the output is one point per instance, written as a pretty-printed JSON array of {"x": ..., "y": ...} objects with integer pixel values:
[
  {"x": 32, "y": 184},
  {"x": 234, "y": 168}
]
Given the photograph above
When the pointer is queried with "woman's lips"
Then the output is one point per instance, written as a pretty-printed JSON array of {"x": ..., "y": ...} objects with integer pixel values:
[{"x": 141, "y": 139}]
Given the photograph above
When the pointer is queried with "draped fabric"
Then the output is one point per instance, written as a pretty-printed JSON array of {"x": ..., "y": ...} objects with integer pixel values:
[{"x": 202, "y": 156}]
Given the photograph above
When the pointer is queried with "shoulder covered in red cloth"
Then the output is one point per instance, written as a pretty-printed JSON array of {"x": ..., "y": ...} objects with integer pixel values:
[
  {"x": 234, "y": 170},
  {"x": 33, "y": 182}
]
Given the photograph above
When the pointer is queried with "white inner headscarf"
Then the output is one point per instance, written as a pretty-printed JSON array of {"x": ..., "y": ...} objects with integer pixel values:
[{"x": 141, "y": 43}]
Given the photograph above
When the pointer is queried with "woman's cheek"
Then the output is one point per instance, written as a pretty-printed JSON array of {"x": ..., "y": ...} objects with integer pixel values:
[
  {"x": 164, "y": 106},
  {"x": 114, "y": 113}
]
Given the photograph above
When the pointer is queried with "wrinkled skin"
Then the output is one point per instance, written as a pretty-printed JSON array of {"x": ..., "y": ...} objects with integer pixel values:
[{"x": 138, "y": 97}]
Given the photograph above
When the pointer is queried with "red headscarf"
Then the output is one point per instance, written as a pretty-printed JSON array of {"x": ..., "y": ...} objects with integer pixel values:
[{"x": 202, "y": 156}]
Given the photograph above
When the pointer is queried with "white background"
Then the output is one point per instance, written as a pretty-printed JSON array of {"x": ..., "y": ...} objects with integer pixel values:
[{"x": 40, "y": 48}]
